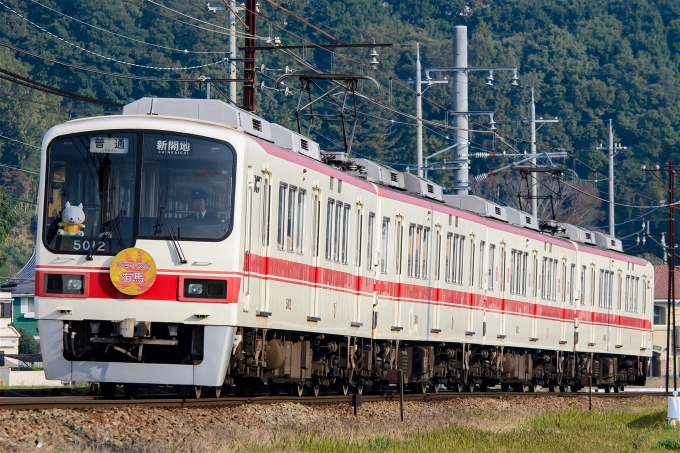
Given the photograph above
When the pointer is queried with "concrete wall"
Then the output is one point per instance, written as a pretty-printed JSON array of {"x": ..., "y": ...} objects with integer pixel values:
[{"x": 25, "y": 378}]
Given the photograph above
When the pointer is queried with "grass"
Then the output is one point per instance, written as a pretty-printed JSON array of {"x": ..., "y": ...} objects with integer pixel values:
[{"x": 633, "y": 430}]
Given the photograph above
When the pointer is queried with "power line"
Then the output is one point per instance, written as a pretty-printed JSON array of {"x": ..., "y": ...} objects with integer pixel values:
[
  {"x": 19, "y": 141},
  {"x": 110, "y": 58},
  {"x": 185, "y": 51},
  {"x": 15, "y": 78}
]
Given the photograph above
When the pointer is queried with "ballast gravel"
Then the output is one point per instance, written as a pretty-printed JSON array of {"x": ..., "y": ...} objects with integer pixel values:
[{"x": 230, "y": 428}]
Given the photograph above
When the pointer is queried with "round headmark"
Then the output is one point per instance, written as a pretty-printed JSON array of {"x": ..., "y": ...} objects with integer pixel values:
[{"x": 133, "y": 271}]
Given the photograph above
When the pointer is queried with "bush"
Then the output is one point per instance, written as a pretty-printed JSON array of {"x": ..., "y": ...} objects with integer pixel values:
[{"x": 28, "y": 344}]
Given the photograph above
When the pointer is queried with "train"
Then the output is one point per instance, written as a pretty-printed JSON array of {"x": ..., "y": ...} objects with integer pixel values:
[{"x": 190, "y": 243}]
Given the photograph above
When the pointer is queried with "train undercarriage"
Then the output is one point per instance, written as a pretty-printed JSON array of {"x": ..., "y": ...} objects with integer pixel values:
[{"x": 300, "y": 363}]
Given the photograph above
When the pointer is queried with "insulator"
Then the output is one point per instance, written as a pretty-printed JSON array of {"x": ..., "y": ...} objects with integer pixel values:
[
  {"x": 481, "y": 155},
  {"x": 481, "y": 177}
]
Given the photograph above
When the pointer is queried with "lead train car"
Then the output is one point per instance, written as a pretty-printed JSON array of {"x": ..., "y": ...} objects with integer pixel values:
[{"x": 307, "y": 276}]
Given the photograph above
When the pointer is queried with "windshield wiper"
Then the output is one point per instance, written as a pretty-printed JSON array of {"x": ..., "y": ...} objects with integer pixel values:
[
  {"x": 107, "y": 234},
  {"x": 173, "y": 237}
]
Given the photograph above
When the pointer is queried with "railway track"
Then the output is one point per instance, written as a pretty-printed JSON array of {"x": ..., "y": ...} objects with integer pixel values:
[{"x": 92, "y": 402}]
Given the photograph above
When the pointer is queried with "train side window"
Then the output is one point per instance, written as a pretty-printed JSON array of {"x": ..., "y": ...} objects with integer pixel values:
[
  {"x": 266, "y": 201},
  {"x": 572, "y": 275},
  {"x": 513, "y": 261},
  {"x": 411, "y": 234},
  {"x": 416, "y": 252},
  {"x": 535, "y": 275},
  {"x": 360, "y": 236},
  {"x": 472, "y": 262},
  {"x": 399, "y": 244},
  {"x": 426, "y": 252},
  {"x": 554, "y": 280},
  {"x": 299, "y": 237},
  {"x": 461, "y": 250},
  {"x": 438, "y": 254},
  {"x": 448, "y": 261},
  {"x": 626, "y": 295},
  {"x": 482, "y": 249},
  {"x": 329, "y": 229},
  {"x": 582, "y": 296},
  {"x": 544, "y": 279},
  {"x": 336, "y": 231},
  {"x": 592, "y": 286},
  {"x": 384, "y": 242},
  {"x": 502, "y": 269},
  {"x": 283, "y": 187},
  {"x": 290, "y": 221},
  {"x": 601, "y": 285},
  {"x": 635, "y": 294},
  {"x": 525, "y": 259},
  {"x": 345, "y": 232},
  {"x": 610, "y": 291},
  {"x": 316, "y": 217},
  {"x": 563, "y": 283},
  {"x": 369, "y": 240},
  {"x": 492, "y": 250}
]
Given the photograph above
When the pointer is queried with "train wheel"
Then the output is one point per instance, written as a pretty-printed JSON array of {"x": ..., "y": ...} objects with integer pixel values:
[
  {"x": 435, "y": 387},
  {"x": 622, "y": 388},
  {"x": 273, "y": 389},
  {"x": 554, "y": 388},
  {"x": 194, "y": 392},
  {"x": 360, "y": 389},
  {"x": 506, "y": 387},
  {"x": 130, "y": 390},
  {"x": 343, "y": 389},
  {"x": 520, "y": 388},
  {"x": 215, "y": 392},
  {"x": 533, "y": 388},
  {"x": 607, "y": 389},
  {"x": 470, "y": 388},
  {"x": 296, "y": 389},
  {"x": 456, "y": 387},
  {"x": 108, "y": 390},
  {"x": 315, "y": 390},
  {"x": 483, "y": 388}
]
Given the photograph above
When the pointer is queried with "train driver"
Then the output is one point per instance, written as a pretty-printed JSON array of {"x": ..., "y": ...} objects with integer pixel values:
[{"x": 199, "y": 198}]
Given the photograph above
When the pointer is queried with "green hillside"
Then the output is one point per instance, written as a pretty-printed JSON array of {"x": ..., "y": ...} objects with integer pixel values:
[{"x": 588, "y": 61}]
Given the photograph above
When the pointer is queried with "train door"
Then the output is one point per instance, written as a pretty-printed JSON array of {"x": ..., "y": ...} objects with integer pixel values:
[
  {"x": 398, "y": 255},
  {"x": 626, "y": 294},
  {"x": 367, "y": 268},
  {"x": 502, "y": 278},
  {"x": 563, "y": 287},
  {"x": 471, "y": 289},
  {"x": 538, "y": 281},
  {"x": 435, "y": 295},
  {"x": 264, "y": 243},
  {"x": 313, "y": 309},
  {"x": 248, "y": 239},
  {"x": 591, "y": 304}
]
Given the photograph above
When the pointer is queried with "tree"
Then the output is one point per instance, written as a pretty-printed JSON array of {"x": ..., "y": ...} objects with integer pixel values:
[{"x": 28, "y": 344}]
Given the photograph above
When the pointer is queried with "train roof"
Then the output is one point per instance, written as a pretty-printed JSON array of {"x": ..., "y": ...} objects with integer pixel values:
[{"x": 219, "y": 112}]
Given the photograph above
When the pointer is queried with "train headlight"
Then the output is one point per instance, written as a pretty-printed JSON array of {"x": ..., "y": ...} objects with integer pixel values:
[
  {"x": 64, "y": 284},
  {"x": 194, "y": 288},
  {"x": 74, "y": 284}
]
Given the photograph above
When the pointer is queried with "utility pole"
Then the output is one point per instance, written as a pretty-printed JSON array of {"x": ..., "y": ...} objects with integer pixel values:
[
  {"x": 614, "y": 149},
  {"x": 419, "y": 115},
  {"x": 231, "y": 65},
  {"x": 249, "y": 62},
  {"x": 534, "y": 182},
  {"x": 460, "y": 106},
  {"x": 670, "y": 186}
]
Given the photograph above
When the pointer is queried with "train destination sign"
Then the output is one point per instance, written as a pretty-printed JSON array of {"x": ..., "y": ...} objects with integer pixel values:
[
  {"x": 133, "y": 271},
  {"x": 109, "y": 145}
]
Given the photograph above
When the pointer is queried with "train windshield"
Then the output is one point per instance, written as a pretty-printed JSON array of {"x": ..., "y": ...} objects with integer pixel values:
[
  {"x": 128, "y": 185},
  {"x": 187, "y": 186},
  {"x": 90, "y": 189}
]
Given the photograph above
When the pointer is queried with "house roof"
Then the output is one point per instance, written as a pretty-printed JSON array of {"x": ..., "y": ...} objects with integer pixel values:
[
  {"x": 25, "y": 278},
  {"x": 661, "y": 283}
]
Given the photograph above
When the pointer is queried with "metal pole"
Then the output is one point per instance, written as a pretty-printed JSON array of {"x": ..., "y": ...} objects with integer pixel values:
[
  {"x": 611, "y": 180},
  {"x": 671, "y": 263},
  {"x": 590, "y": 390},
  {"x": 249, "y": 64},
  {"x": 534, "y": 185},
  {"x": 231, "y": 66},
  {"x": 401, "y": 393},
  {"x": 207, "y": 90},
  {"x": 419, "y": 115},
  {"x": 460, "y": 105}
]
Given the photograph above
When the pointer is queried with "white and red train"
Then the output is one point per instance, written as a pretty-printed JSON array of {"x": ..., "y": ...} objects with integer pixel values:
[{"x": 308, "y": 271}]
